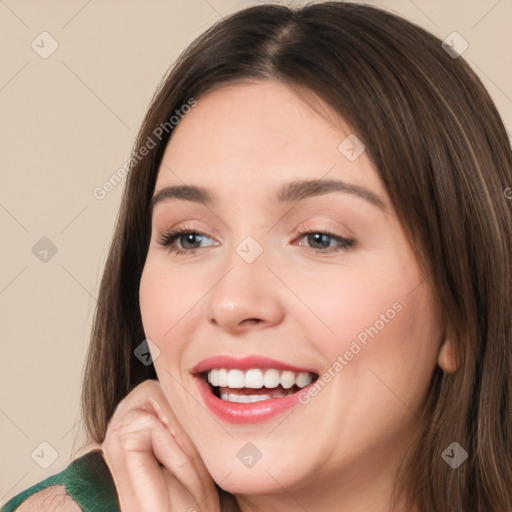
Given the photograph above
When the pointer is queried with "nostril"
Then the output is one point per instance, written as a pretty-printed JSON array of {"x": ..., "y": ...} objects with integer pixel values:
[{"x": 252, "y": 320}]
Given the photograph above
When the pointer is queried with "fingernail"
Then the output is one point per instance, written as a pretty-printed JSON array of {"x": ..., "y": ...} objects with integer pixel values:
[
  {"x": 179, "y": 443},
  {"x": 161, "y": 414}
]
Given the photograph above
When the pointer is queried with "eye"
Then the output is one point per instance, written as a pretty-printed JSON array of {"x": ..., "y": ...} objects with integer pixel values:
[
  {"x": 325, "y": 242},
  {"x": 185, "y": 241},
  {"x": 188, "y": 241}
]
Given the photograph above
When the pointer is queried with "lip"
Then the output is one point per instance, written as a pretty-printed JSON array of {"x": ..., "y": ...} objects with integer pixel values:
[
  {"x": 243, "y": 414},
  {"x": 246, "y": 363},
  {"x": 253, "y": 412}
]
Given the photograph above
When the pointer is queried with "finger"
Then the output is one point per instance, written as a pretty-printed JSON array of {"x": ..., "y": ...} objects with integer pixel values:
[
  {"x": 156, "y": 396},
  {"x": 129, "y": 452},
  {"x": 140, "y": 397},
  {"x": 169, "y": 425},
  {"x": 200, "y": 486},
  {"x": 205, "y": 489},
  {"x": 179, "y": 464},
  {"x": 143, "y": 440}
]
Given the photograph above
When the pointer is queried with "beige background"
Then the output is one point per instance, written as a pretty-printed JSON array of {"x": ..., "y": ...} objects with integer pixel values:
[{"x": 67, "y": 124}]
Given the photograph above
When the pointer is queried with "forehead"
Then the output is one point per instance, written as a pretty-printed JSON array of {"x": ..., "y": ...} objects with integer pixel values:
[{"x": 257, "y": 135}]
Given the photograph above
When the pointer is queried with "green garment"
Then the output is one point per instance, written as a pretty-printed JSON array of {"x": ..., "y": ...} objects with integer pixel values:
[{"x": 87, "y": 480}]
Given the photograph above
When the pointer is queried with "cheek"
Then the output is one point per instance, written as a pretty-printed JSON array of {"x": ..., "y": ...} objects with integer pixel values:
[
  {"x": 348, "y": 303},
  {"x": 163, "y": 301},
  {"x": 376, "y": 316},
  {"x": 154, "y": 298},
  {"x": 165, "y": 293}
]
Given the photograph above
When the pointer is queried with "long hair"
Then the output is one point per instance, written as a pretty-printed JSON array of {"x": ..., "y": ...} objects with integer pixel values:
[{"x": 442, "y": 152}]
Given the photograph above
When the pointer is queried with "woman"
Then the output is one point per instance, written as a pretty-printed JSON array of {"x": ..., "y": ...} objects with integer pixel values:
[{"x": 306, "y": 304}]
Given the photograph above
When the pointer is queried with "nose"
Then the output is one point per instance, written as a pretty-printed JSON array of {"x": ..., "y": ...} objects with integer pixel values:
[{"x": 246, "y": 297}]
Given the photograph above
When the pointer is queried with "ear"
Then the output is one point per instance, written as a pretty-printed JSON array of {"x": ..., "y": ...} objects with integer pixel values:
[{"x": 447, "y": 358}]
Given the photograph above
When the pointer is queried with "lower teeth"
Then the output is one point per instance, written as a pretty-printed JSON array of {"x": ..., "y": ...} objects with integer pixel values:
[{"x": 245, "y": 399}]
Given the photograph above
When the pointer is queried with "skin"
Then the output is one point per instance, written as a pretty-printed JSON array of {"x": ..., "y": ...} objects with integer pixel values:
[{"x": 294, "y": 303}]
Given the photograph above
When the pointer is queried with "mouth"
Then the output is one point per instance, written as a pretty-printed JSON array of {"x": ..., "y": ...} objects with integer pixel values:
[
  {"x": 255, "y": 384},
  {"x": 250, "y": 389}
]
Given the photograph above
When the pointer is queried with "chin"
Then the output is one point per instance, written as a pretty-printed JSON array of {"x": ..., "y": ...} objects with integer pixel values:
[
  {"x": 262, "y": 478},
  {"x": 249, "y": 484}
]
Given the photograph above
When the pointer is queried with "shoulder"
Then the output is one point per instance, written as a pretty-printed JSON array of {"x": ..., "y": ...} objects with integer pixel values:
[
  {"x": 86, "y": 483},
  {"x": 51, "y": 499}
]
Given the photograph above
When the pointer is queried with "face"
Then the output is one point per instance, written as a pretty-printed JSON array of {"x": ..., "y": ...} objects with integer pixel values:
[{"x": 320, "y": 280}]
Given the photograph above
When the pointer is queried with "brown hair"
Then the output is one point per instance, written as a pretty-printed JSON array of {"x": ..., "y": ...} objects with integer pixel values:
[{"x": 442, "y": 152}]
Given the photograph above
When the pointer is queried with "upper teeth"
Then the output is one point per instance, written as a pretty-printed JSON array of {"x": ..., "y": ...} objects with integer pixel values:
[{"x": 256, "y": 378}]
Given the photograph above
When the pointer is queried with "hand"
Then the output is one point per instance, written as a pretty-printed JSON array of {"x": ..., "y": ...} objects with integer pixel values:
[{"x": 154, "y": 464}]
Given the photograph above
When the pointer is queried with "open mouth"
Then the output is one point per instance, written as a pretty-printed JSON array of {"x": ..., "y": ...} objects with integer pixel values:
[{"x": 255, "y": 384}]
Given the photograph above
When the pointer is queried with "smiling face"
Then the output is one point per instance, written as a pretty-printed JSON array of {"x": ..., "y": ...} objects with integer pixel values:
[{"x": 346, "y": 302}]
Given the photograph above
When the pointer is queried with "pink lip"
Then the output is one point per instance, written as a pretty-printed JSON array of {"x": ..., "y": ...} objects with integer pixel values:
[
  {"x": 246, "y": 413},
  {"x": 245, "y": 363}
]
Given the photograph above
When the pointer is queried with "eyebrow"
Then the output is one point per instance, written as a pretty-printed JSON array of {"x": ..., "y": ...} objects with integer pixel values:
[{"x": 289, "y": 192}]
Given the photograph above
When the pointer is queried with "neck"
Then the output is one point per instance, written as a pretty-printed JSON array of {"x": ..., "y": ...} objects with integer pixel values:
[
  {"x": 366, "y": 496},
  {"x": 361, "y": 486}
]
